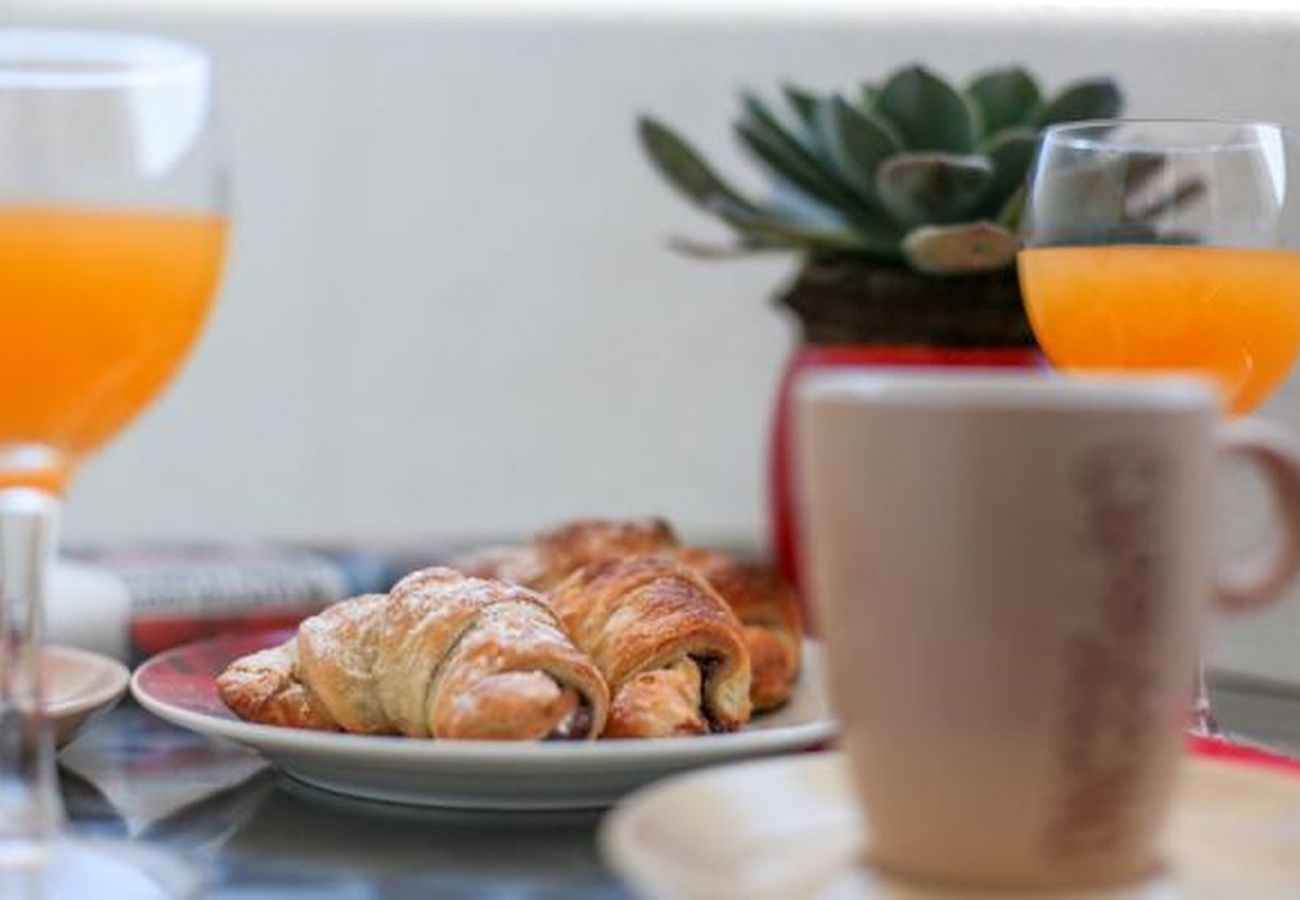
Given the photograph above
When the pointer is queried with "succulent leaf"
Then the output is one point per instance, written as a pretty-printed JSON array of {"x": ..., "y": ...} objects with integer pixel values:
[
  {"x": 756, "y": 113},
  {"x": 1182, "y": 193},
  {"x": 927, "y": 112},
  {"x": 855, "y": 142},
  {"x": 821, "y": 240},
  {"x": 960, "y": 249},
  {"x": 684, "y": 167},
  {"x": 1098, "y": 98},
  {"x": 787, "y": 158},
  {"x": 785, "y": 165},
  {"x": 803, "y": 102},
  {"x": 1140, "y": 169},
  {"x": 912, "y": 171},
  {"x": 1153, "y": 189},
  {"x": 762, "y": 116},
  {"x": 1011, "y": 152},
  {"x": 1004, "y": 98},
  {"x": 704, "y": 250},
  {"x": 1013, "y": 210},
  {"x": 769, "y": 226},
  {"x": 792, "y": 207},
  {"x": 1083, "y": 204},
  {"x": 932, "y": 187}
]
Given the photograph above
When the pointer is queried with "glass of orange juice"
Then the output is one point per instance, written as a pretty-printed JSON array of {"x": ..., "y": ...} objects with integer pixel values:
[
  {"x": 1166, "y": 245},
  {"x": 112, "y": 235}
]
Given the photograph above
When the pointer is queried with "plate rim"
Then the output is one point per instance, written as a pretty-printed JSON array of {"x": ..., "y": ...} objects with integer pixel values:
[{"x": 276, "y": 739}]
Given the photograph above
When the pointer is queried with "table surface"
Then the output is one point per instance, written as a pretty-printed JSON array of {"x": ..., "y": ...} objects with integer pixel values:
[{"x": 254, "y": 833}]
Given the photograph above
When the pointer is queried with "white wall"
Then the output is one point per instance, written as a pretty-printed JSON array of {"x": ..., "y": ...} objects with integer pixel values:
[{"x": 449, "y": 308}]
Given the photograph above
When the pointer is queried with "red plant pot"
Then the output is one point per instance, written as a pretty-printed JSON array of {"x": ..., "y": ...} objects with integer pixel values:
[{"x": 783, "y": 511}]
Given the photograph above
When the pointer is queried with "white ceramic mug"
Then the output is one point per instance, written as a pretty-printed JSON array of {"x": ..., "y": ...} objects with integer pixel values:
[{"x": 1012, "y": 570}]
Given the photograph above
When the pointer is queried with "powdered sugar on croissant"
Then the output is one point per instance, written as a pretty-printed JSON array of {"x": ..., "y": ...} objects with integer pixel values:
[{"x": 442, "y": 655}]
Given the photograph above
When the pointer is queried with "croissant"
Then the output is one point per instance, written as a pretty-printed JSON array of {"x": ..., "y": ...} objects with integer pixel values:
[
  {"x": 669, "y": 647},
  {"x": 267, "y": 687},
  {"x": 771, "y": 625},
  {"x": 515, "y": 564},
  {"x": 558, "y": 552},
  {"x": 442, "y": 655},
  {"x": 766, "y": 605}
]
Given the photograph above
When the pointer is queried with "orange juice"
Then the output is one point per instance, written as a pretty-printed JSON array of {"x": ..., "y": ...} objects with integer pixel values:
[
  {"x": 1229, "y": 313},
  {"x": 97, "y": 309}
]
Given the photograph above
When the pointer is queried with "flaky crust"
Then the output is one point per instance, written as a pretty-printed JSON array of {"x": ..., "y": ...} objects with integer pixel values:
[
  {"x": 765, "y": 604},
  {"x": 556, "y": 553},
  {"x": 265, "y": 687},
  {"x": 567, "y": 548},
  {"x": 768, "y": 610},
  {"x": 336, "y": 654},
  {"x": 659, "y": 703},
  {"x": 647, "y": 613},
  {"x": 516, "y": 564},
  {"x": 443, "y": 633},
  {"x": 441, "y": 656}
]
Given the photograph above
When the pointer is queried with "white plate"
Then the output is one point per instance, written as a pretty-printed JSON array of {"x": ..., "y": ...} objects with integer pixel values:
[
  {"x": 79, "y": 686},
  {"x": 789, "y": 828},
  {"x": 179, "y": 686}
]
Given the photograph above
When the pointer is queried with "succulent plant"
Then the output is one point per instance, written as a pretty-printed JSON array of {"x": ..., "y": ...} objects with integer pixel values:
[{"x": 909, "y": 172}]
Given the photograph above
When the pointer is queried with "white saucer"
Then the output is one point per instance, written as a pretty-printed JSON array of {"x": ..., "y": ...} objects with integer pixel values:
[
  {"x": 788, "y": 828},
  {"x": 79, "y": 685},
  {"x": 179, "y": 686}
]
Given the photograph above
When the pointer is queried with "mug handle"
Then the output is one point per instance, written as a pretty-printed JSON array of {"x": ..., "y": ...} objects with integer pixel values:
[{"x": 1258, "y": 580}]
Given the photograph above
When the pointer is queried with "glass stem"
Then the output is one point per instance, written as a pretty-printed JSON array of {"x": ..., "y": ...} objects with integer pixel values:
[
  {"x": 1203, "y": 721},
  {"x": 30, "y": 807}
]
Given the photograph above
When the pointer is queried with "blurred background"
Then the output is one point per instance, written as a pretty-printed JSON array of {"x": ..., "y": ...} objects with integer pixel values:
[{"x": 450, "y": 308}]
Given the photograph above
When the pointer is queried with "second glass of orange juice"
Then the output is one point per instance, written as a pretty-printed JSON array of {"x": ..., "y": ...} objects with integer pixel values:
[
  {"x": 1166, "y": 246},
  {"x": 1230, "y": 312}
]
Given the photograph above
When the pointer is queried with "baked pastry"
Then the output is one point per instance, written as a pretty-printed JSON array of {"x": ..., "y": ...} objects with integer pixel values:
[
  {"x": 565, "y": 549},
  {"x": 503, "y": 665},
  {"x": 266, "y": 687},
  {"x": 766, "y": 605},
  {"x": 516, "y": 564},
  {"x": 442, "y": 656},
  {"x": 768, "y": 610},
  {"x": 669, "y": 647},
  {"x": 555, "y": 554}
]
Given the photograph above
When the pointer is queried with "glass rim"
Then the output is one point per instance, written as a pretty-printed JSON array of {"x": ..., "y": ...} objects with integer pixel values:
[
  {"x": 1073, "y": 134},
  {"x": 72, "y": 59}
]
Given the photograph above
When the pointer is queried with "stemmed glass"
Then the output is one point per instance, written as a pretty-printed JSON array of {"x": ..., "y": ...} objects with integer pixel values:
[
  {"x": 112, "y": 235},
  {"x": 1159, "y": 245}
]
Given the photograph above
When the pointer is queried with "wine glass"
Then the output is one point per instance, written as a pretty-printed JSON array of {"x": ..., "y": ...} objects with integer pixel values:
[
  {"x": 112, "y": 235},
  {"x": 1166, "y": 245}
]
